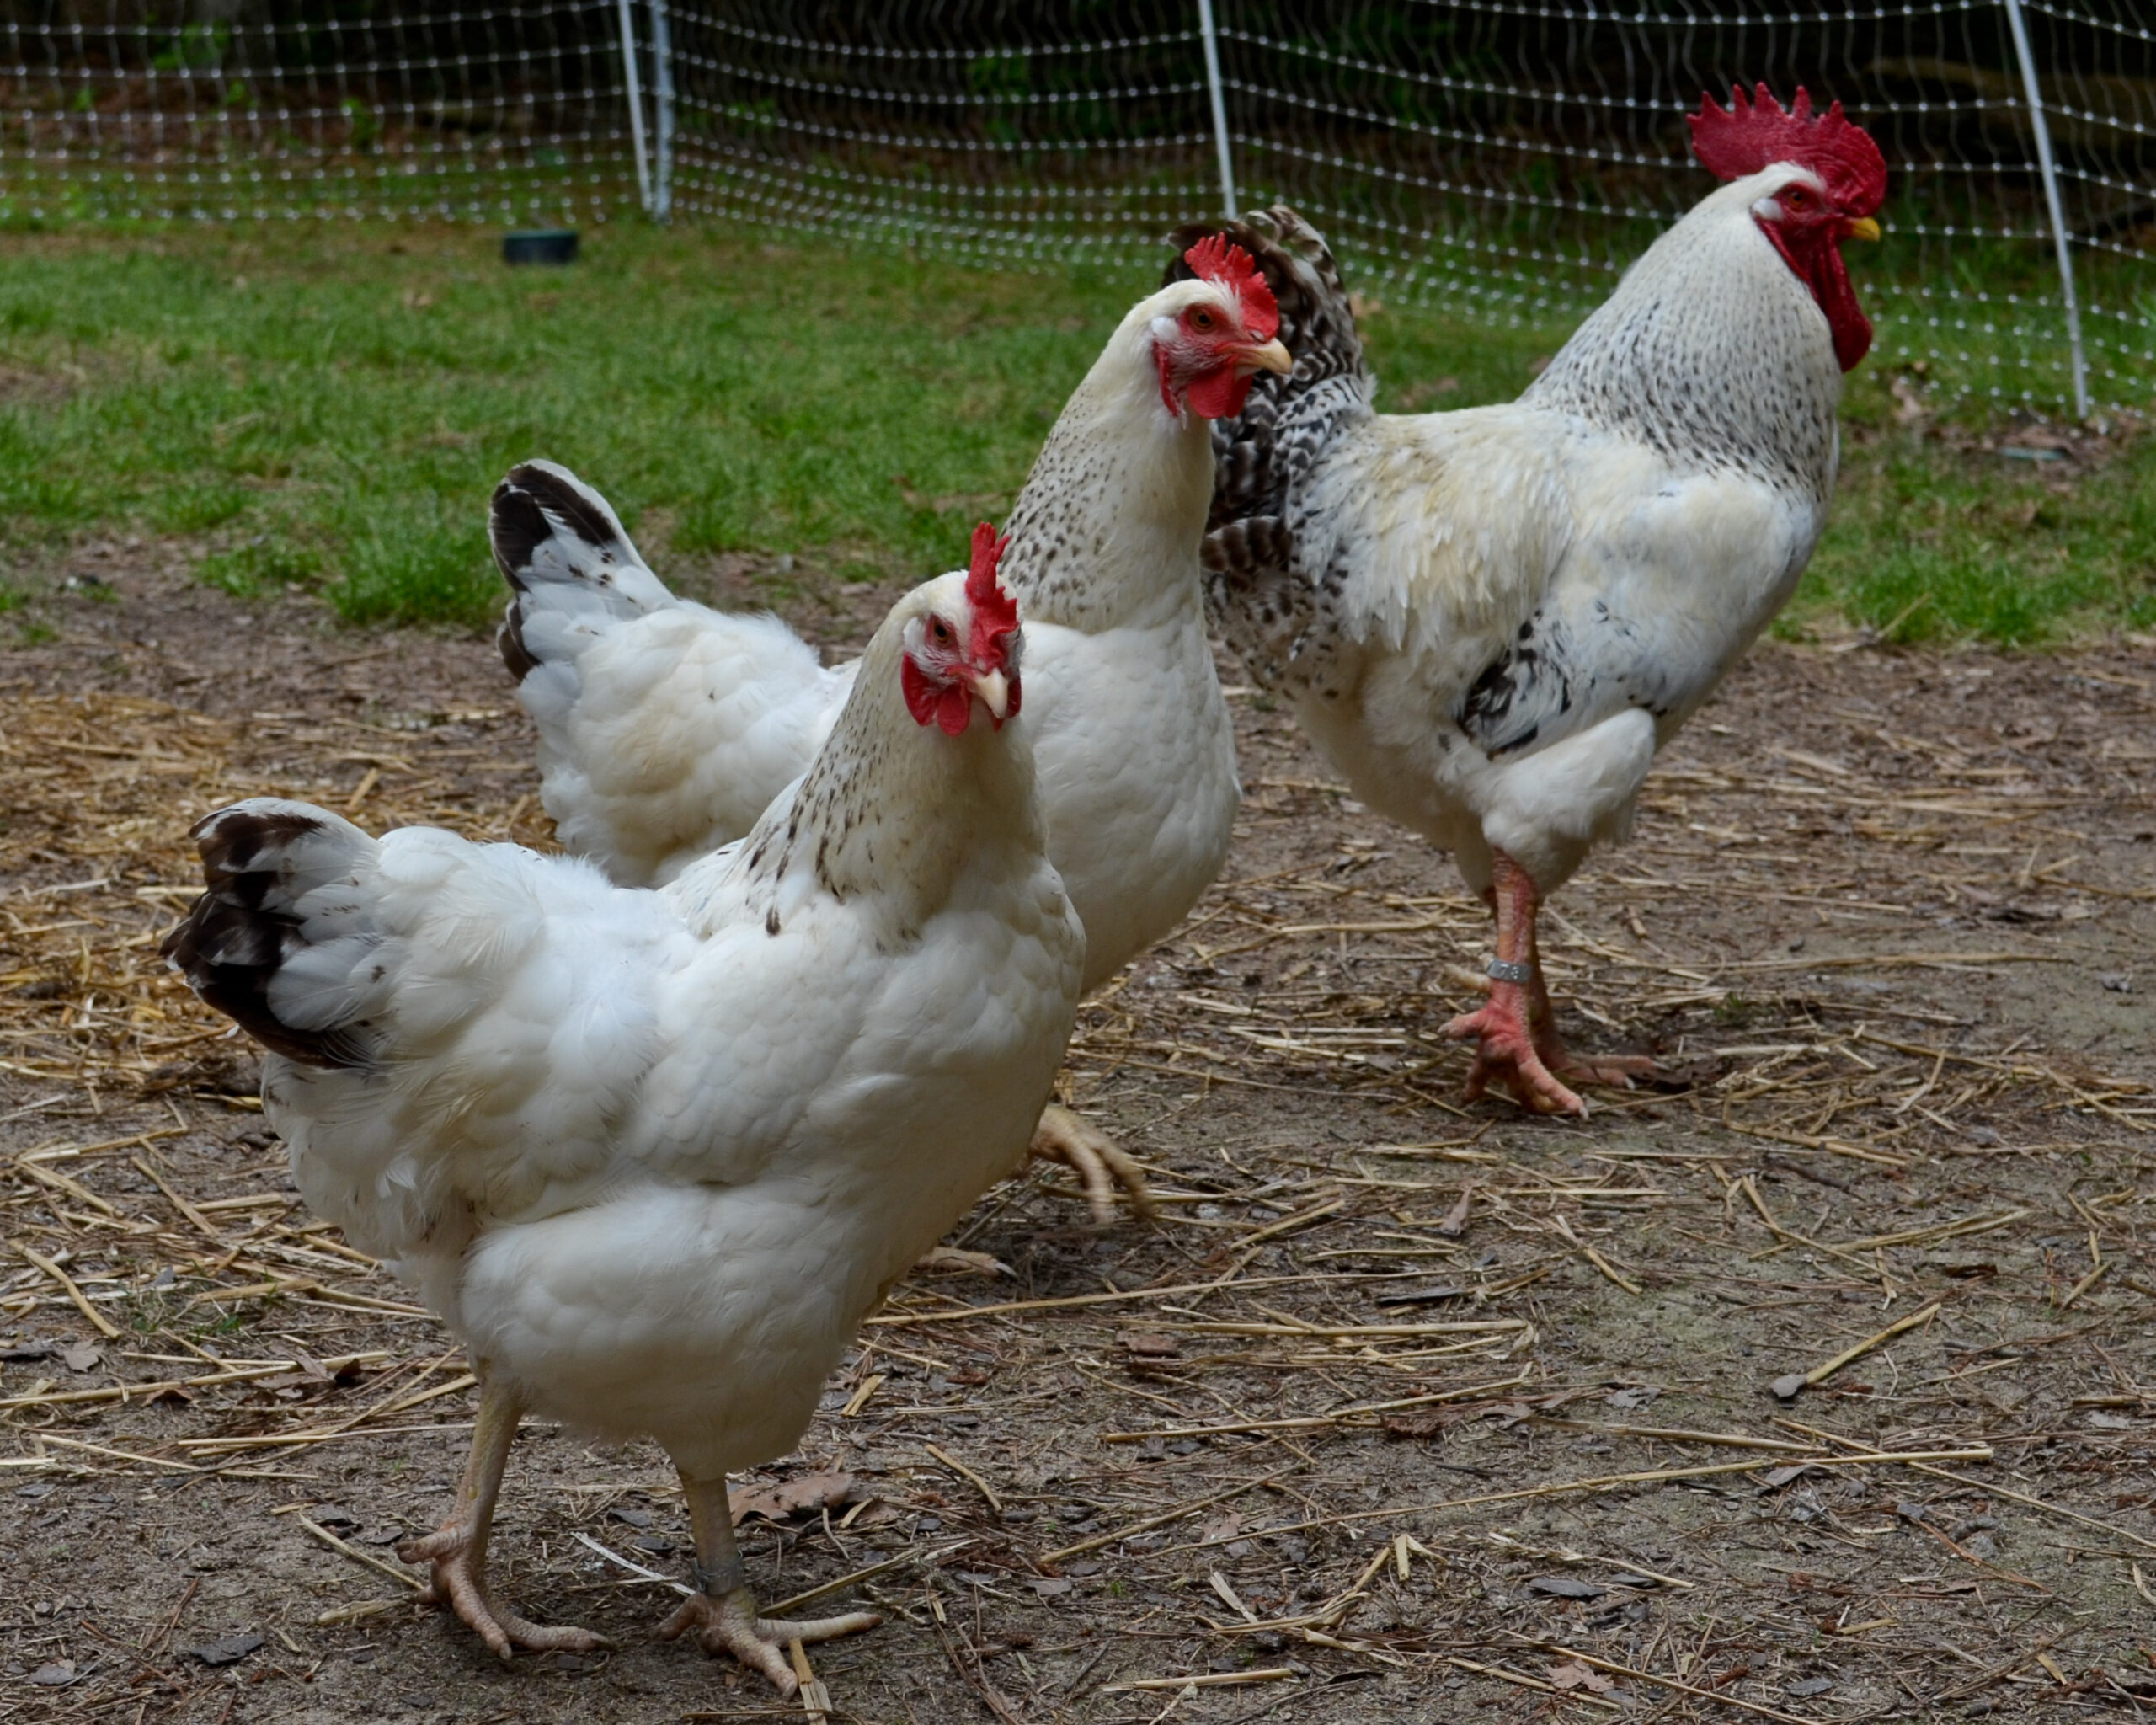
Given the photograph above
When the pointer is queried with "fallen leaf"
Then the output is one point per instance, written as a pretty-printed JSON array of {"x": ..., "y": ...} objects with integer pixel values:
[
  {"x": 1051, "y": 1587},
  {"x": 81, "y": 1356},
  {"x": 1776, "y": 1477},
  {"x": 1152, "y": 1347},
  {"x": 1430, "y": 1424},
  {"x": 1786, "y": 1388},
  {"x": 53, "y": 1676},
  {"x": 792, "y": 1497},
  {"x": 1810, "y": 1686},
  {"x": 1636, "y": 1396},
  {"x": 228, "y": 1652},
  {"x": 1572, "y": 1674},
  {"x": 1456, "y": 1221},
  {"x": 1566, "y": 1587}
]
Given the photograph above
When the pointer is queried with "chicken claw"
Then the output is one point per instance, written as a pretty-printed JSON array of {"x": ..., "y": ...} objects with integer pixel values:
[
  {"x": 1506, "y": 1051},
  {"x": 1101, "y": 1164},
  {"x": 730, "y": 1625},
  {"x": 722, "y": 1612},
  {"x": 460, "y": 1582},
  {"x": 1619, "y": 1072}
]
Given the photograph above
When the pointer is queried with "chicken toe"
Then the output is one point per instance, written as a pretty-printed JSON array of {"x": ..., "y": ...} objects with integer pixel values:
[
  {"x": 728, "y": 1624},
  {"x": 1619, "y": 1072},
  {"x": 722, "y": 1612},
  {"x": 1506, "y": 1051},
  {"x": 459, "y": 1583},
  {"x": 1101, "y": 1164}
]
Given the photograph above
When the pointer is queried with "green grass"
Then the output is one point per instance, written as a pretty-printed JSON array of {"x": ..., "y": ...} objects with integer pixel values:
[
  {"x": 334, "y": 406},
  {"x": 1935, "y": 537}
]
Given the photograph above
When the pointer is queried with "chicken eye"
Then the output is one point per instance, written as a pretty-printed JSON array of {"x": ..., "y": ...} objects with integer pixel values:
[
  {"x": 1203, "y": 321},
  {"x": 1795, "y": 197},
  {"x": 940, "y": 629}
]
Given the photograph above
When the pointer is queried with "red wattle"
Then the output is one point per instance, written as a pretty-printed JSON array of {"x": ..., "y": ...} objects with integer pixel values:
[
  {"x": 1817, "y": 264},
  {"x": 1837, "y": 298},
  {"x": 954, "y": 706},
  {"x": 1218, "y": 395}
]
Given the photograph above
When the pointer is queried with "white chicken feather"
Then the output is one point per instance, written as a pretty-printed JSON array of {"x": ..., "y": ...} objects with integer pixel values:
[{"x": 652, "y": 1155}]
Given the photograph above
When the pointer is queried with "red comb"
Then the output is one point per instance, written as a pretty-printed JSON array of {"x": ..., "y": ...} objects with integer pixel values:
[
  {"x": 1220, "y": 260},
  {"x": 1741, "y": 139},
  {"x": 995, "y": 612}
]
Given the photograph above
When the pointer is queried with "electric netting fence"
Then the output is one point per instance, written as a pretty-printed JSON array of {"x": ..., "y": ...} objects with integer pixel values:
[{"x": 1502, "y": 159}]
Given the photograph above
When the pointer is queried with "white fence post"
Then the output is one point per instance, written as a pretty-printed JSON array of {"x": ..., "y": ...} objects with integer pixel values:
[
  {"x": 662, "y": 84},
  {"x": 635, "y": 83},
  {"x": 2050, "y": 171},
  {"x": 1219, "y": 106}
]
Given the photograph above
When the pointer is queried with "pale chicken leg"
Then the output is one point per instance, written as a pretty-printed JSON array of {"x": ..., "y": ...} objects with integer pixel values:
[
  {"x": 723, "y": 1611},
  {"x": 457, "y": 1549},
  {"x": 1101, "y": 1164},
  {"x": 1517, "y": 1029}
]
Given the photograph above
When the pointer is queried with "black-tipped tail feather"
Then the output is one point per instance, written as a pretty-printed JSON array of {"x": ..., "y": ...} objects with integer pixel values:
[
  {"x": 261, "y": 859},
  {"x": 560, "y": 544},
  {"x": 1257, "y": 591},
  {"x": 1256, "y": 464}
]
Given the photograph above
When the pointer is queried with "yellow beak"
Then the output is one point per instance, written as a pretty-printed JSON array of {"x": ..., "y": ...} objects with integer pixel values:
[
  {"x": 1272, "y": 357},
  {"x": 1860, "y": 228},
  {"x": 995, "y": 692}
]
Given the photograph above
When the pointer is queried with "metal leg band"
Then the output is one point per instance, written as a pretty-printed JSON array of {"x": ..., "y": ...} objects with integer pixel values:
[
  {"x": 1510, "y": 970},
  {"x": 729, "y": 1577}
]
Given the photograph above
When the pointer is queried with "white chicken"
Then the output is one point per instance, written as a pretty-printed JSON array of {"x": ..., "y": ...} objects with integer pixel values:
[
  {"x": 664, "y": 726},
  {"x": 1490, "y": 620},
  {"x": 653, "y": 1154}
]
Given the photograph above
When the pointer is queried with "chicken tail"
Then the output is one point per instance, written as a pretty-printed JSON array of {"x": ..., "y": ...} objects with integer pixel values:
[
  {"x": 1256, "y": 591},
  {"x": 279, "y": 941},
  {"x": 561, "y": 547},
  {"x": 1256, "y": 464}
]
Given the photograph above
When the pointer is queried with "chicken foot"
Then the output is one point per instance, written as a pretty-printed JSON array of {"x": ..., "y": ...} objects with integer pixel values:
[
  {"x": 722, "y": 1612},
  {"x": 1101, "y": 1164},
  {"x": 457, "y": 1549},
  {"x": 1517, "y": 1030}
]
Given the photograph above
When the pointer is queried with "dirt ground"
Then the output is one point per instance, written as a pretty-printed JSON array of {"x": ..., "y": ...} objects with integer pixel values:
[{"x": 1411, "y": 1411}]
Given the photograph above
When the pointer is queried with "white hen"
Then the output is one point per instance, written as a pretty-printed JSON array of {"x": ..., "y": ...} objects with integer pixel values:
[
  {"x": 1490, "y": 620},
  {"x": 653, "y": 1154},
  {"x": 664, "y": 726}
]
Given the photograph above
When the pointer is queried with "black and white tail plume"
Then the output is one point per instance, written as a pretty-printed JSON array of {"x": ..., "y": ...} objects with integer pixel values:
[
  {"x": 561, "y": 547},
  {"x": 281, "y": 941},
  {"x": 1257, "y": 591}
]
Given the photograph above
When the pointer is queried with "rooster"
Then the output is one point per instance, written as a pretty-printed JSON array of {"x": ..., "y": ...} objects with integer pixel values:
[
  {"x": 1490, "y": 620},
  {"x": 653, "y": 1154},
  {"x": 664, "y": 726}
]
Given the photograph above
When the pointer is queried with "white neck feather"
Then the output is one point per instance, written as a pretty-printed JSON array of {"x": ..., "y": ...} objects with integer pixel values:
[
  {"x": 1712, "y": 349},
  {"x": 890, "y": 811},
  {"x": 1108, "y": 525}
]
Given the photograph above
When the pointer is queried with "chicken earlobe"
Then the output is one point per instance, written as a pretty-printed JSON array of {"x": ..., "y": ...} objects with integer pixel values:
[
  {"x": 457, "y": 1549},
  {"x": 723, "y": 1611}
]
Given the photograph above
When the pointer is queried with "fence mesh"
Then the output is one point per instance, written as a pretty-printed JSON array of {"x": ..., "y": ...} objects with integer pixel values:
[{"x": 1502, "y": 159}]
